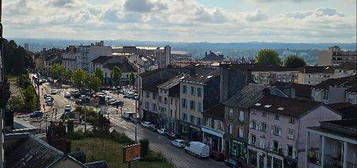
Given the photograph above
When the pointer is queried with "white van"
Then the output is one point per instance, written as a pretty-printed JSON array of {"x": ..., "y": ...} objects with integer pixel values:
[{"x": 198, "y": 149}]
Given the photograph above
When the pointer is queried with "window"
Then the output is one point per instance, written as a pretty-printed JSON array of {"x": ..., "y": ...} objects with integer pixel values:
[
  {"x": 192, "y": 119},
  {"x": 192, "y": 91},
  {"x": 184, "y": 89},
  {"x": 147, "y": 94},
  {"x": 160, "y": 99},
  {"x": 276, "y": 130},
  {"x": 192, "y": 105},
  {"x": 198, "y": 121},
  {"x": 252, "y": 139},
  {"x": 165, "y": 100},
  {"x": 230, "y": 113},
  {"x": 199, "y": 107},
  {"x": 253, "y": 124},
  {"x": 153, "y": 96},
  {"x": 291, "y": 120},
  {"x": 154, "y": 107},
  {"x": 262, "y": 142},
  {"x": 240, "y": 132},
  {"x": 241, "y": 116},
  {"x": 199, "y": 92},
  {"x": 230, "y": 128},
  {"x": 290, "y": 151},
  {"x": 172, "y": 101},
  {"x": 184, "y": 103},
  {"x": 325, "y": 96},
  {"x": 211, "y": 123},
  {"x": 263, "y": 126},
  {"x": 147, "y": 106},
  {"x": 291, "y": 133},
  {"x": 184, "y": 116},
  {"x": 275, "y": 146},
  {"x": 276, "y": 117}
]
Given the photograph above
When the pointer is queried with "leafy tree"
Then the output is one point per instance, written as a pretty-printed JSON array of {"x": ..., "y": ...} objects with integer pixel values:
[
  {"x": 116, "y": 75},
  {"x": 4, "y": 92},
  {"x": 16, "y": 58},
  {"x": 58, "y": 71},
  {"x": 101, "y": 124},
  {"x": 16, "y": 104},
  {"x": 78, "y": 78},
  {"x": 293, "y": 61},
  {"x": 268, "y": 57},
  {"x": 99, "y": 74},
  {"x": 30, "y": 99},
  {"x": 144, "y": 147},
  {"x": 67, "y": 75},
  {"x": 131, "y": 79},
  {"x": 93, "y": 83},
  {"x": 23, "y": 81}
]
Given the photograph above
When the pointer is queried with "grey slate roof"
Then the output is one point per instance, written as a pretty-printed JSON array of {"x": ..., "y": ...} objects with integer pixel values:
[
  {"x": 27, "y": 151},
  {"x": 246, "y": 97},
  {"x": 202, "y": 75},
  {"x": 102, "y": 59}
]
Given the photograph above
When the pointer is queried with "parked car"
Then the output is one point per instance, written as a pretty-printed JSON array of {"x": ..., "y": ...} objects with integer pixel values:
[
  {"x": 146, "y": 124},
  {"x": 126, "y": 116},
  {"x": 67, "y": 108},
  {"x": 129, "y": 96},
  {"x": 178, "y": 143},
  {"x": 36, "y": 114},
  {"x": 54, "y": 91},
  {"x": 67, "y": 95},
  {"x": 172, "y": 136},
  {"x": 162, "y": 131},
  {"x": 197, "y": 149},
  {"x": 49, "y": 79},
  {"x": 49, "y": 103}
]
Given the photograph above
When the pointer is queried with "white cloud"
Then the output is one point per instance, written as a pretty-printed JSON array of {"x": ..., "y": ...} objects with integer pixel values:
[{"x": 174, "y": 20}]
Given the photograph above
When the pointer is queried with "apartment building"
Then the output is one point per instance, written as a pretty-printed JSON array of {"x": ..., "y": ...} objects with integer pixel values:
[
  {"x": 236, "y": 120},
  {"x": 107, "y": 63},
  {"x": 337, "y": 90},
  {"x": 160, "y": 55},
  {"x": 335, "y": 55},
  {"x": 168, "y": 104},
  {"x": 148, "y": 83},
  {"x": 198, "y": 92},
  {"x": 337, "y": 145},
  {"x": 277, "y": 130},
  {"x": 271, "y": 74},
  {"x": 81, "y": 57},
  {"x": 213, "y": 129}
]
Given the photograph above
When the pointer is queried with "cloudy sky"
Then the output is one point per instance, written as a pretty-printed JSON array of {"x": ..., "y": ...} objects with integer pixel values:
[{"x": 308, "y": 21}]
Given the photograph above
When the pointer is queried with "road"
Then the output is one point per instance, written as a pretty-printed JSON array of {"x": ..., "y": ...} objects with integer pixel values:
[{"x": 158, "y": 142}]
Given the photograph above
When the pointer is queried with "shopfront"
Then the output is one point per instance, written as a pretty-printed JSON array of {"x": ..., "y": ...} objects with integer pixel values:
[{"x": 214, "y": 139}]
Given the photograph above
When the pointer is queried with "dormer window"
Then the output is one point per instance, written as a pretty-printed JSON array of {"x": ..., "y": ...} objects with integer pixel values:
[{"x": 276, "y": 117}]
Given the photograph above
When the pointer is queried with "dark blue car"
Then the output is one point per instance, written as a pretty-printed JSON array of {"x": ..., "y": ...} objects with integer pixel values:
[{"x": 36, "y": 114}]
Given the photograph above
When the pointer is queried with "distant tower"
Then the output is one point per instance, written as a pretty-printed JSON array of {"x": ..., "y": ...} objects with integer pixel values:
[{"x": 163, "y": 56}]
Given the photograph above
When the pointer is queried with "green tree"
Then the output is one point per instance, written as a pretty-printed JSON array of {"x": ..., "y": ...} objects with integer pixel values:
[
  {"x": 16, "y": 104},
  {"x": 132, "y": 79},
  {"x": 294, "y": 61},
  {"x": 23, "y": 81},
  {"x": 93, "y": 83},
  {"x": 144, "y": 147},
  {"x": 116, "y": 75},
  {"x": 30, "y": 99},
  {"x": 58, "y": 71},
  {"x": 78, "y": 78},
  {"x": 16, "y": 58},
  {"x": 99, "y": 73},
  {"x": 268, "y": 57}
]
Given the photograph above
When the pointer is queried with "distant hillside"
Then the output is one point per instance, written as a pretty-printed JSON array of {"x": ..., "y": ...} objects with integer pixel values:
[{"x": 247, "y": 49}]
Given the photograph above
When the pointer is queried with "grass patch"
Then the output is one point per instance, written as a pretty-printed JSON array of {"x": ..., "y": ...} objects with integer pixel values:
[{"x": 112, "y": 151}]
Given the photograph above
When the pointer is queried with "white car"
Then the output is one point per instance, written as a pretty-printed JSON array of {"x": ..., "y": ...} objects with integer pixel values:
[
  {"x": 162, "y": 131},
  {"x": 198, "y": 149},
  {"x": 146, "y": 124},
  {"x": 178, "y": 143}
]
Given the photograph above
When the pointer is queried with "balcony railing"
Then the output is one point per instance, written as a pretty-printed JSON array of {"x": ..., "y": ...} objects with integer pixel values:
[{"x": 332, "y": 162}]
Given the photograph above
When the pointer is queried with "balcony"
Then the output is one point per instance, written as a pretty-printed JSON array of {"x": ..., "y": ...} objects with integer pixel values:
[{"x": 333, "y": 162}]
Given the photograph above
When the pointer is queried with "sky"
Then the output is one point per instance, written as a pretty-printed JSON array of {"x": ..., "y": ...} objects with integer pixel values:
[{"x": 300, "y": 21}]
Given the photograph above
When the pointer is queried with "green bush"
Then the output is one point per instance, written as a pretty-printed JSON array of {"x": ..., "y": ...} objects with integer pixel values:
[
  {"x": 120, "y": 138},
  {"x": 153, "y": 157},
  {"x": 144, "y": 147}
]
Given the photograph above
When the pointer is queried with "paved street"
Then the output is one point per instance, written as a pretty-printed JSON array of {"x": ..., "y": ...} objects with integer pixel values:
[{"x": 158, "y": 143}]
